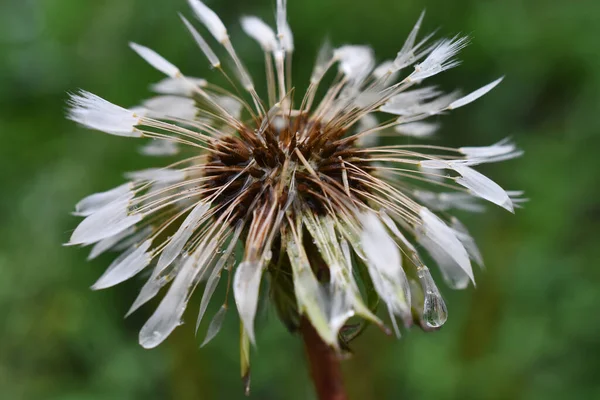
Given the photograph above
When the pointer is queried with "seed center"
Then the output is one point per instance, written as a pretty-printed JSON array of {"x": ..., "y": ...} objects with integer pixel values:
[{"x": 281, "y": 154}]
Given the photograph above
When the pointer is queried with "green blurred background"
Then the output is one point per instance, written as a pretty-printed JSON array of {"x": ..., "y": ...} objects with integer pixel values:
[{"x": 530, "y": 330}]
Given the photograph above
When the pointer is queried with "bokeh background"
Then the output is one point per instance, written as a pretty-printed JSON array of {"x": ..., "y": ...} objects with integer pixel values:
[{"x": 531, "y": 328}]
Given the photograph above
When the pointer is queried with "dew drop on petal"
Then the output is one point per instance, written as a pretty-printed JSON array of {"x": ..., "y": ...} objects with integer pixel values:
[{"x": 435, "y": 312}]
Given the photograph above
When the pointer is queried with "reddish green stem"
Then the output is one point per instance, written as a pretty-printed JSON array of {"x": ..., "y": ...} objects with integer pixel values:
[{"x": 324, "y": 364}]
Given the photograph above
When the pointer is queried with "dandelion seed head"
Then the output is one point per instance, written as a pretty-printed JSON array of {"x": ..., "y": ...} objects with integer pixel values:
[{"x": 325, "y": 214}]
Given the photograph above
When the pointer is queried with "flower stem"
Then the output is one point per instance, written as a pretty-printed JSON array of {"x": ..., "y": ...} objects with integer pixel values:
[{"x": 324, "y": 364}]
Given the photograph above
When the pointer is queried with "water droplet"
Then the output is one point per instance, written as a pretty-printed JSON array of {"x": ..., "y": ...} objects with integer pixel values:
[
  {"x": 151, "y": 340},
  {"x": 435, "y": 312},
  {"x": 268, "y": 256}
]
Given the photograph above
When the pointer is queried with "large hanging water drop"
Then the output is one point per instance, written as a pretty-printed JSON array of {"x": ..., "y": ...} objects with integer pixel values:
[{"x": 435, "y": 312}]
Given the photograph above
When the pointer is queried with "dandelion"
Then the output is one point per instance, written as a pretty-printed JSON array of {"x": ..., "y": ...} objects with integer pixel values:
[{"x": 331, "y": 225}]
